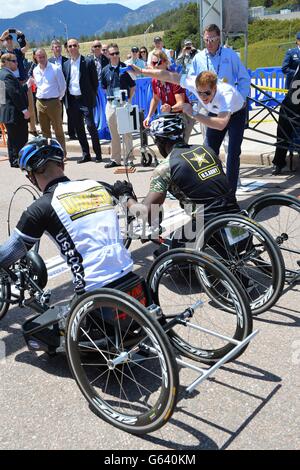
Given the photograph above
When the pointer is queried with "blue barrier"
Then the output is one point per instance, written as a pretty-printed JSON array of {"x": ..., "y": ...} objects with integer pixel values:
[{"x": 269, "y": 76}]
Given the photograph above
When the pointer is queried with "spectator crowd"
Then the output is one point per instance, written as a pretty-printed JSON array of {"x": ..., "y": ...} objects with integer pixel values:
[{"x": 41, "y": 90}]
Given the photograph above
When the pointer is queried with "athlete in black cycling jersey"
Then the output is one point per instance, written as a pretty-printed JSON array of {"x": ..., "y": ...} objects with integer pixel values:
[
  {"x": 192, "y": 173},
  {"x": 78, "y": 215}
]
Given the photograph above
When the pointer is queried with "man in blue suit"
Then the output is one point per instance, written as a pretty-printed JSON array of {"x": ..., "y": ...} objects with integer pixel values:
[
  {"x": 82, "y": 87},
  {"x": 291, "y": 62}
]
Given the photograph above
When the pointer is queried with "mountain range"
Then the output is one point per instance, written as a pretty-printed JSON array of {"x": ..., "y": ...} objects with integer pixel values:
[{"x": 49, "y": 22}]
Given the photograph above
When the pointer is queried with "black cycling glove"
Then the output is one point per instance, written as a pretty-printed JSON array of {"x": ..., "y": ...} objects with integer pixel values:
[{"x": 123, "y": 188}]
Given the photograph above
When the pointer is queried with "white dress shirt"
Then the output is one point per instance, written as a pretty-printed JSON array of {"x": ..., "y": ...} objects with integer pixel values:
[
  {"x": 74, "y": 86},
  {"x": 58, "y": 60},
  {"x": 50, "y": 82},
  {"x": 226, "y": 100}
]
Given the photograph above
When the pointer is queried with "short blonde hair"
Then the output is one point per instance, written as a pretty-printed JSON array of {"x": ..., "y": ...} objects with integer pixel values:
[
  {"x": 161, "y": 55},
  {"x": 7, "y": 56},
  {"x": 207, "y": 78}
]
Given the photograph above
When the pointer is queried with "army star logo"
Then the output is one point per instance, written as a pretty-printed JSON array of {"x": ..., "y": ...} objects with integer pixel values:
[{"x": 200, "y": 159}]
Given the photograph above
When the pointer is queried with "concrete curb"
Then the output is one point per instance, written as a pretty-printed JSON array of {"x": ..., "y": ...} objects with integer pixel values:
[{"x": 246, "y": 157}]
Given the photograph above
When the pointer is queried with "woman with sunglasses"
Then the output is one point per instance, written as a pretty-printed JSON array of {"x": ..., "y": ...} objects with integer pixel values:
[
  {"x": 143, "y": 54},
  {"x": 225, "y": 105},
  {"x": 172, "y": 96}
]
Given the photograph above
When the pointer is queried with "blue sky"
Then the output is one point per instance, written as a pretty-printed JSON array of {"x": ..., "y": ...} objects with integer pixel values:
[{"x": 13, "y": 8}]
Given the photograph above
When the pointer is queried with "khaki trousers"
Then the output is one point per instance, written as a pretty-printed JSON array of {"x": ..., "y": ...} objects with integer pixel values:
[
  {"x": 49, "y": 113},
  {"x": 32, "y": 122},
  {"x": 115, "y": 137}
]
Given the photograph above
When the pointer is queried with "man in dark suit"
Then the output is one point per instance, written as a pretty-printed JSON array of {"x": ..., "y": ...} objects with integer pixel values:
[
  {"x": 59, "y": 59},
  {"x": 100, "y": 60},
  {"x": 80, "y": 99},
  {"x": 14, "y": 113},
  {"x": 291, "y": 62}
]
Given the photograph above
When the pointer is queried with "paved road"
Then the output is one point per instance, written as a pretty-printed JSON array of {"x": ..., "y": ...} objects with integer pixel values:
[{"x": 250, "y": 404}]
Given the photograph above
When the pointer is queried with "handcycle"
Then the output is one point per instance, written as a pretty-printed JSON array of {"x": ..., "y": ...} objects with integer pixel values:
[
  {"x": 280, "y": 215},
  {"x": 244, "y": 246},
  {"x": 122, "y": 340}
]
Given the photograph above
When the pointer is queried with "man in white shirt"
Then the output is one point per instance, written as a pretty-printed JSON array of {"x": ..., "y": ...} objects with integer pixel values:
[
  {"x": 51, "y": 88},
  {"x": 59, "y": 59},
  {"x": 226, "y": 107}
]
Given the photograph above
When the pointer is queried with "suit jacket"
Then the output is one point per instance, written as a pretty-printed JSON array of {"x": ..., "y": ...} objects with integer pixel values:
[
  {"x": 88, "y": 81},
  {"x": 290, "y": 64},
  {"x": 104, "y": 60},
  {"x": 15, "y": 96}
]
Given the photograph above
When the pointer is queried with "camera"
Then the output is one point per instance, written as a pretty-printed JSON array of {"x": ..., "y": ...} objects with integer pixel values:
[{"x": 12, "y": 31}]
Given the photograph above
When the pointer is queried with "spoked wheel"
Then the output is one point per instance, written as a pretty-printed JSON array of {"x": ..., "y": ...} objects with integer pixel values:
[
  {"x": 175, "y": 286},
  {"x": 122, "y": 361},
  {"x": 280, "y": 215},
  {"x": 5, "y": 293},
  {"x": 251, "y": 254}
]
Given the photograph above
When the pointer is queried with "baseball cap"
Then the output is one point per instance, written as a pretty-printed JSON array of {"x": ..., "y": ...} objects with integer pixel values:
[
  {"x": 157, "y": 39},
  {"x": 298, "y": 36},
  {"x": 187, "y": 42},
  {"x": 134, "y": 49}
]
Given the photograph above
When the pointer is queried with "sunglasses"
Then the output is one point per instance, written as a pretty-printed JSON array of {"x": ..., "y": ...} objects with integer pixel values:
[
  {"x": 211, "y": 40},
  {"x": 98, "y": 47},
  {"x": 12, "y": 60},
  {"x": 204, "y": 93},
  {"x": 114, "y": 53},
  {"x": 72, "y": 45},
  {"x": 143, "y": 52},
  {"x": 104, "y": 50},
  {"x": 156, "y": 63}
]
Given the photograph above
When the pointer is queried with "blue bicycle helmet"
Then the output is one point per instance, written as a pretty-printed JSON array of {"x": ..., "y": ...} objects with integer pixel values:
[{"x": 37, "y": 152}]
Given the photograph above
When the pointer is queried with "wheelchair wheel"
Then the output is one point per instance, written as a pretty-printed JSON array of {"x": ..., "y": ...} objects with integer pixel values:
[
  {"x": 122, "y": 361},
  {"x": 280, "y": 215},
  {"x": 251, "y": 254},
  {"x": 175, "y": 286},
  {"x": 5, "y": 293}
]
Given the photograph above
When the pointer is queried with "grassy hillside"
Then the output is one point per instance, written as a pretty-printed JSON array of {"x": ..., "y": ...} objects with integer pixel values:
[
  {"x": 266, "y": 54},
  {"x": 261, "y": 54},
  {"x": 124, "y": 44},
  {"x": 277, "y": 4}
]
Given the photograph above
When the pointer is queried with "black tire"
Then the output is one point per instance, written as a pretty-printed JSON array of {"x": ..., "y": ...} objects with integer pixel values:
[
  {"x": 280, "y": 215},
  {"x": 137, "y": 398},
  {"x": 175, "y": 286},
  {"x": 255, "y": 260},
  {"x": 5, "y": 293}
]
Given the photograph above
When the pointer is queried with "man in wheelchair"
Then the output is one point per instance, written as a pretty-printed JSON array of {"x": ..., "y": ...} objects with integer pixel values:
[
  {"x": 193, "y": 174},
  {"x": 80, "y": 218}
]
